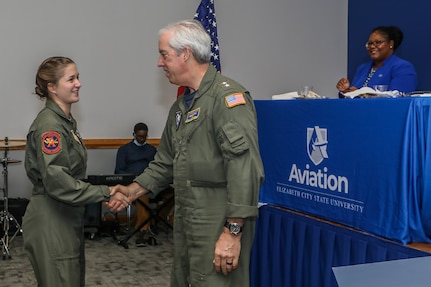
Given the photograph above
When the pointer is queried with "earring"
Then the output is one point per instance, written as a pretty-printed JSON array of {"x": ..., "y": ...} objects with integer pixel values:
[{"x": 390, "y": 47}]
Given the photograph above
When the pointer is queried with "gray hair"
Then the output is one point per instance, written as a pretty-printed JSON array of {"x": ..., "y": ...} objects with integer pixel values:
[{"x": 190, "y": 33}]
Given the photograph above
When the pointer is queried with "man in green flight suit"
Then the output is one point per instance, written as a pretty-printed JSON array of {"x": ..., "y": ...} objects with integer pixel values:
[{"x": 209, "y": 151}]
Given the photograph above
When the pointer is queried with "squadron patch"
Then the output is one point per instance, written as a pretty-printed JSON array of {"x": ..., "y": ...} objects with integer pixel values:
[
  {"x": 234, "y": 100},
  {"x": 51, "y": 142},
  {"x": 193, "y": 115}
]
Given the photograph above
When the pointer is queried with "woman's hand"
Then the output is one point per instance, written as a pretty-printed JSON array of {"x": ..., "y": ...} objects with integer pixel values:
[
  {"x": 343, "y": 85},
  {"x": 118, "y": 200}
]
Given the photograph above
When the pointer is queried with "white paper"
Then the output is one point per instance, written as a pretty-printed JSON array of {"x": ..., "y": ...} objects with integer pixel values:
[
  {"x": 371, "y": 91},
  {"x": 286, "y": 96},
  {"x": 296, "y": 95}
]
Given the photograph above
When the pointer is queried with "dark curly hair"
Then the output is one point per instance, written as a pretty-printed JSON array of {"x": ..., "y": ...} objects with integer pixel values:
[
  {"x": 390, "y": 33},
  {"x": 140, "y": 127}
]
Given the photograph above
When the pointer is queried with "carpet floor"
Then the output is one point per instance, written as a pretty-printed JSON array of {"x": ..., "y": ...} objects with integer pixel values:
[{"x": 108, "y": 264}]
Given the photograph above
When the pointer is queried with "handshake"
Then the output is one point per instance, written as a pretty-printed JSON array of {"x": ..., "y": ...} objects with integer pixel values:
[{"x": 122, "y": 196}]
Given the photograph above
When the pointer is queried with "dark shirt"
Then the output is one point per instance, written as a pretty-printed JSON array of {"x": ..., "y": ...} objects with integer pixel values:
[
  {"x": 133, "y": 159},
  {"x": 188, "y": 97}
]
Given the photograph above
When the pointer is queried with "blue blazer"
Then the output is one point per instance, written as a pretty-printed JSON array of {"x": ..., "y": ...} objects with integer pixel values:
[{"x": 396, "y": 73}]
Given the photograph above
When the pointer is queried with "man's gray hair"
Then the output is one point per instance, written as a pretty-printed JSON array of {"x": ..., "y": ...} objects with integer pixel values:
[{"x": 190, "y": 33}]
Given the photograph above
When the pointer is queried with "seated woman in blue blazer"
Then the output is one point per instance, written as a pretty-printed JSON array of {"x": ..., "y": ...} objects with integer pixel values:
[{"x": 385, "y": 68}]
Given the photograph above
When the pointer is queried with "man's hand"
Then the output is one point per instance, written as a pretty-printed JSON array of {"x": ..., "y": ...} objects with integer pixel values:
[
  {"x": 122, "y": 194},
  {"x": 227, "y": 250},
  {"x": 118, "y": 201}
]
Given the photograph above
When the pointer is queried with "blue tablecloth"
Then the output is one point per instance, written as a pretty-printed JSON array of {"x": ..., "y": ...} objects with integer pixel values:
[
  {"x": 360, "y": 162},
  {"x": 299, "y": 251}
]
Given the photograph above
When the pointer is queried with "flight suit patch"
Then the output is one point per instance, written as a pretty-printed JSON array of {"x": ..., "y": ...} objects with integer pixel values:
[
  {"x": 193, "y": 115},
  {"x": 234, "y": 100},
  {"x": 51, "y": 142},
  {"x": 178, "y": 116},
  {"x": 76, "y": 136}
]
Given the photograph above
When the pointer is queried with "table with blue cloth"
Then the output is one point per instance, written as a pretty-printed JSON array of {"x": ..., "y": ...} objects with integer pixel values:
[{"x": 360, "y": 163}]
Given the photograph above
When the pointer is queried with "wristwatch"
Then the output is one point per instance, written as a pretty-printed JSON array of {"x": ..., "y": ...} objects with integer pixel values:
[{"x": 234, "y": 228}]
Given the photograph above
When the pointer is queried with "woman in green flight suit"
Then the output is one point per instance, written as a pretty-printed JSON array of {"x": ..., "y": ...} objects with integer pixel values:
[{"x": 55, "y": 161}]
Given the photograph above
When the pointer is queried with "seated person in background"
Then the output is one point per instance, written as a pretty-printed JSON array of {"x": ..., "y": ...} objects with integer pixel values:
[
  {"x": 385, "y": 68},
  {"x": 133, "y": 158}
]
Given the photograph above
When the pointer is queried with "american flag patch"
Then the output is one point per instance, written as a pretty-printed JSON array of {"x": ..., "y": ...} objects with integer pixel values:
[{"x": 234, "y": 100}]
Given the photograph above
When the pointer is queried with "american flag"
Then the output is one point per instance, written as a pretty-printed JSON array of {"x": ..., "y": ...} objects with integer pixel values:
[
  {"x": 234, "y": 100},
  {"x": 206, "y": 15}
]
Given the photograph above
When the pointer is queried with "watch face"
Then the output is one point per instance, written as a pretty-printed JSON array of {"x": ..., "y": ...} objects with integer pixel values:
[{"x": 235, "y": 228}]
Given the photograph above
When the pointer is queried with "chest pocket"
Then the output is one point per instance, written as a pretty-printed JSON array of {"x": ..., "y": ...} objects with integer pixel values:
[{"x": 195, "y": 125}]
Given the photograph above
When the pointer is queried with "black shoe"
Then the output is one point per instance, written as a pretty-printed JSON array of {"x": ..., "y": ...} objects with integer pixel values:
[
  {"x": 140, "y": 242},
  {"x": 152, "y": 241}
]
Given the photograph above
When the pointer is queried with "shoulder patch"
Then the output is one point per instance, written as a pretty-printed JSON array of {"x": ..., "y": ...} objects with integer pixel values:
[
  {"x": 51, "y": 142},
  {"x": 233, "y": 100}
]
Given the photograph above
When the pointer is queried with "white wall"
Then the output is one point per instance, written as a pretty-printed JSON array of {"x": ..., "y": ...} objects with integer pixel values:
[{"x": 271, "y": 47}]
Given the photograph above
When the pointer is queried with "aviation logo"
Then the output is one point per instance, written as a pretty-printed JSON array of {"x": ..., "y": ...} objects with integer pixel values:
[{"x": 317, "y": 142}]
